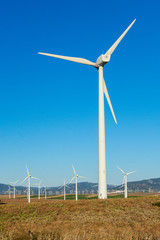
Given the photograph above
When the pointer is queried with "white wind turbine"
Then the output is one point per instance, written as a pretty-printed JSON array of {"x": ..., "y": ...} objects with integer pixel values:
[
  {"x": 9, "y": 191},
  {"x": 45, "y": 192},
  {"x": 95, "y": 186},
  {"x": 26, "y": 191},
  {"x": 101, "y": 61},
  {"x": 65, "y": 185},
  {"x": 29, "y": 184},
  {"x": 14, "y": 188},
  {"x": 75, "y": 177},
  {"x": 125, "y": 181},
  {"x": 39, "y": 189}
]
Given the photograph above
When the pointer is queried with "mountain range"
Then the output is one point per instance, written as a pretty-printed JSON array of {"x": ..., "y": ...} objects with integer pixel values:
[{"x": 150, "y": 185}]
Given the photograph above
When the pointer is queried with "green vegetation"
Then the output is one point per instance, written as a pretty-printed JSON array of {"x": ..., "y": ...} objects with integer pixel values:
[
  {"x": 32, "y": 196},
  {"x": 109, "y": 196},
  {"x": 88, "y": 197},
  {"x": 156, "y": 204},
  {"x": 71, "y": 197}
]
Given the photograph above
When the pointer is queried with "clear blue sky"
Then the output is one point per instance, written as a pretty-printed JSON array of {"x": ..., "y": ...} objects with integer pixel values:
[{"x": 49, "y": 107}]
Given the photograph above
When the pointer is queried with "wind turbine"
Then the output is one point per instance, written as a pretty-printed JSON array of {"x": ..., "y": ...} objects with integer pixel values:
[
  {"x": 65, "y": 185},
  {"x": 101, "y": 61},
  {"x": 9, "y": 191},
  {"x": 45, "y": 191},
  {"x": 95, "y": 186},
  {"x": 29, "y": 184},
  {"x": 75, "y": 177},
  {"x": 26, "y": 191},
  {"x": 14, "y": 188},
  {"x": 39, "y": 189},
  {"x": 125, "y": 181}
]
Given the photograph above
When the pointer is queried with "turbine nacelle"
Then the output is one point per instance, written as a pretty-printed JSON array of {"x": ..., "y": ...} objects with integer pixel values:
[{"x": 102, "y": 60}]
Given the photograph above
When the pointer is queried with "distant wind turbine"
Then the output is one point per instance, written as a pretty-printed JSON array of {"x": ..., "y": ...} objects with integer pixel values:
[
  {"x": 75, "y": 177},
  {"x": 101, "y": 61},
  {"x": 45, "y": 191},
  {"x": 29, "y": 184},
  {"x": 9, "y": 191},
  {"x": 95, "y": 186},
  {"x": 14, "y": 188},
  {"x": 65, "y": 185},
  {"x": 39, "y": 189},
  {"x": 26, "y": 191},
  {"x": 125, "y": 181}
]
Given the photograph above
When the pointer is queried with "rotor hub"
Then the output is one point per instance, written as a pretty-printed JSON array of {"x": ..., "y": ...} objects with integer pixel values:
[{"x": 102, "y": 60}]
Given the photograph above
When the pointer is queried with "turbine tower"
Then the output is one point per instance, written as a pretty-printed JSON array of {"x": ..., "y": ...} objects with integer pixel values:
[
  {"x": 29, "y": 184},
  {"x": 45, "y": 192},
  {"x": 125, "y": 181},
  {"x": 65, "y": 185},
  {"x": 9, "y": 191},
  {"x": 75, "y": 177},
  {"x": 101, "y": 61},
  {"x": 14, "y": 188},
  {"x": 26, "y": 191},
  {"x": 39, "y": 189}
]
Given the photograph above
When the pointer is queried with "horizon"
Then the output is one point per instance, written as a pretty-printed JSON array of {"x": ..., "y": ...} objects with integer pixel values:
[{"x": 73, "y": 183}]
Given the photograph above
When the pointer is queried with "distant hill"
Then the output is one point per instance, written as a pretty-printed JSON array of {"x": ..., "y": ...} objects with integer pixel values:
[{"x": 151, "y": 185}]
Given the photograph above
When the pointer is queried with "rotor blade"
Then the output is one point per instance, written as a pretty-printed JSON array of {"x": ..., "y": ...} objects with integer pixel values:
[
  {"x": 60, "y": 187},
  {"x": 121, "y": 186},
  {"x": 121, "y": 170},
  {"x": 81, "y": 176},
  {"x": 24, "y": 179},
  {"x": 36, "y": 178},
  {"x": 67, "y": 186},
  {"x": 111, "y": 50},
  {"x": 27, "y": 170},
  {"x": 16, "y": 181},
  {"x": 130, "y": 172},
  {"x": 74, "y": 170},
  {"x": 109, "y": 101},
  {"x": 73, "y": 59},
  {"x": 72, "y": 180},
  {"x": 95, "y": 186}
]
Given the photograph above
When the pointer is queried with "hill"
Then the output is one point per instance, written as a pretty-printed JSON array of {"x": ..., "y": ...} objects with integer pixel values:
[{"x": 150, "y": 185}]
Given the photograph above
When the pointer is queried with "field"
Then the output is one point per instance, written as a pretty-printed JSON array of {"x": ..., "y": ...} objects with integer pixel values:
[{"x": 137, "y": 217}]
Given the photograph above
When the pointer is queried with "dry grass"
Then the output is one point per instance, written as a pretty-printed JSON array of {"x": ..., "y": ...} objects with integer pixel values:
[{"x": 133, "y": 218}]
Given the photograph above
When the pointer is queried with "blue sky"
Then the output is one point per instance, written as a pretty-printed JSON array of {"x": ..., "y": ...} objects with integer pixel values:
[{"x": 49, "y": 107}]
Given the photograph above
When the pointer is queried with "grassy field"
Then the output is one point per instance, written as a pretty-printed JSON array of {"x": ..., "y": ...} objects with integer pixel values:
[
  {"x": 87, "y": 197},
  {"x": 54, "y": 219}
]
